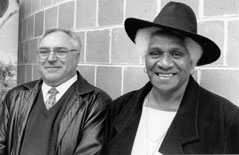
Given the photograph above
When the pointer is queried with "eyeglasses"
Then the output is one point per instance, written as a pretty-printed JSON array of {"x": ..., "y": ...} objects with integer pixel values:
[{"x": 61, "y": 53}]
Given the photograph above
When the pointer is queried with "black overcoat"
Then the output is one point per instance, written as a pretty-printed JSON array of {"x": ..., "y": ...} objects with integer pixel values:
[
  {"x": 81, "y": 128},
  {"x": 204, "y": 123}
]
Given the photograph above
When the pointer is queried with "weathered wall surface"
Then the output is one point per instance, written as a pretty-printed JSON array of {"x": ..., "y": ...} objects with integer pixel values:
[{"x": 108, "y": 57}]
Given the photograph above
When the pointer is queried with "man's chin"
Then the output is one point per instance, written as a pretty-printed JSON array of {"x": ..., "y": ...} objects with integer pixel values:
[
  {"x": 52, "y": 70},
  {"x": 51, "y": 80}
]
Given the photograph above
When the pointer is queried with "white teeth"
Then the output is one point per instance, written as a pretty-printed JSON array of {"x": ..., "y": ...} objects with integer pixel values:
[{"x": 165, "y": 75}]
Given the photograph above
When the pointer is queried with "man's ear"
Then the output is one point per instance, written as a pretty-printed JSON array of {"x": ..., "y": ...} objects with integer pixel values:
[
  {"x": 78, "y": 57},
  {"x": 192, "y": 71}
]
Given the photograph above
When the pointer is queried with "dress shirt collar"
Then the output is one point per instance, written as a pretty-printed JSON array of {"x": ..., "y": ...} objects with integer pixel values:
[{"x": 61, "y": 88}]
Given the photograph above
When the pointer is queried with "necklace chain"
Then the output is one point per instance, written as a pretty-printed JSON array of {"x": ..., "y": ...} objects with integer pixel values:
[
  {"x": 149, "y": 139},
  {"x": 147, "y": 122}
]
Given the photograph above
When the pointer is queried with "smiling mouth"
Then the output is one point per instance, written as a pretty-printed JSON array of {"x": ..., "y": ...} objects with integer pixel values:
[
  {"x": 52, "y": 69},
  {"x": 165, "y": 74}
]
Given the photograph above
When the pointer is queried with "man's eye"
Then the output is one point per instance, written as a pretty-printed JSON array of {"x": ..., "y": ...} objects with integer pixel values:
[
  {"x": 154, "y": 54},
  {"x": 44, "y": 51},
  {"x": 177, "y": 54},
  {"x": 61, "y": 51}
]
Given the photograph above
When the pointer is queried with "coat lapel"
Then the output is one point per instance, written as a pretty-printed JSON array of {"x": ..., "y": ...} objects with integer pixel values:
[
  {"x": 126, "y": 124},
  {"x": 25, "y": 107},
  {"x": 184, "y": 128},
  {"x": 68, "y": 118},
  {"x": 171, "y": 144},
  {"x": 73, "y": 106}
]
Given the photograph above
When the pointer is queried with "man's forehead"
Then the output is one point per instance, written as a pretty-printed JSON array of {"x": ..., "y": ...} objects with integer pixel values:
[
  {"x": 57, "y": 34},
  {"x": 159, "y": 38},
  {"x": 56, "y": 38},
  {"x": 169, "y": 42}
]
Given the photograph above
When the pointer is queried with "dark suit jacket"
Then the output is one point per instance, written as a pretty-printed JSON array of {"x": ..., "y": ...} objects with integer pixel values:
[{"x": 204, "y": 123}]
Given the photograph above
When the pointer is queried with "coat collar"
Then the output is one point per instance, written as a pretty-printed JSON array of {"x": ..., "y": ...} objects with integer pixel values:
[
  {"x": 132, "y": 110},
  {"x": 127, "y": 122},
  {"x": 185, "y": 120},
  {"x": 184, "y": 128},
  {"x": 83, "y": 86}
]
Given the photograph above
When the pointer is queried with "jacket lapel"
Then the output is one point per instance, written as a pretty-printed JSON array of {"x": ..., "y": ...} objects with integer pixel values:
[
  {"x": 184, "y": 128},
  {"x": 126, "y": 124},
  {"x": 82, "y": 87},
  {"x": 171, "y": 144},
  {"x": 25, "y": 107}
]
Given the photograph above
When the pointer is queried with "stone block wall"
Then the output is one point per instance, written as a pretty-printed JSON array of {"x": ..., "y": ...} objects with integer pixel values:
[{"x": 109, "y": 59}]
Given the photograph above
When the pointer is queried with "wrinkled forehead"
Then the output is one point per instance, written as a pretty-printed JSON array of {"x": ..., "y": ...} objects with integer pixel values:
[
  {"x": 167, "y": 40},
  {"x": 56, "y": 39}
]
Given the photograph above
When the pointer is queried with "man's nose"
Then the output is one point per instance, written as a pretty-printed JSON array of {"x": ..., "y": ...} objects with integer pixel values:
[
  {"x": 52, "y": 56},
  {"x": 165, "y": 61}
]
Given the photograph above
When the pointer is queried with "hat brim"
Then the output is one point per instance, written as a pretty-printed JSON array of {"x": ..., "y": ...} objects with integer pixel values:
[{"x": 211, "y": 51}]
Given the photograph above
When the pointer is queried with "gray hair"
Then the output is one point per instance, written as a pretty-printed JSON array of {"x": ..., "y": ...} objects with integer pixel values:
[
  {"x": 143, "y": 37},
  {"x": 75, "y": 39}
]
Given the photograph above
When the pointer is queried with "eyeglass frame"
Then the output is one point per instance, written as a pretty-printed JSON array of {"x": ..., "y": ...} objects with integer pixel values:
[{"x": 54, "y": 50}]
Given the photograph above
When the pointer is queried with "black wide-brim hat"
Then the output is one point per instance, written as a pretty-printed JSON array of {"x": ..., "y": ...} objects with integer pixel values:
[{"x": 180, "y": 18}]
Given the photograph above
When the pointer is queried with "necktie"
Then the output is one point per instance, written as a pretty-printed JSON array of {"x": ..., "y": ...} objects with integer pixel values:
[{"x": 52, "y": 98}]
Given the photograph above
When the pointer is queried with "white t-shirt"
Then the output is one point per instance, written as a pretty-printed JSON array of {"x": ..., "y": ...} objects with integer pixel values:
[{"x": 152, "y": 129}]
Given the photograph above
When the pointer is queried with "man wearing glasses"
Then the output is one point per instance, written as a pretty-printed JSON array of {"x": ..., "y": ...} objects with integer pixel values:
[{"x": 59, "y": 114}]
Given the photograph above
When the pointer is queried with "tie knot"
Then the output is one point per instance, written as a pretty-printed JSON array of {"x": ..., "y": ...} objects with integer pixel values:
[{"x": 53, "y": 91}]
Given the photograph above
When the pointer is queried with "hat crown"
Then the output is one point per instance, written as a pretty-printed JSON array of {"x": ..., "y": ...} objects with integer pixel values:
[
  {"x": 180, "y": 18},
  {"x": 177, "y": 15}
]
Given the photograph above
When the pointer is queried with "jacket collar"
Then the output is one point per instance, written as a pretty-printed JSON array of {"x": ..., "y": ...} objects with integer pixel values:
[
  {"x": 184, "y": 128},
  {"x": 188, "y": 112},
  {"x": 127, "y": 122},
  {"x": 83, "y": 86},
  {"x": 185, "y": 120},
  {"x": 132, "y": 110}
]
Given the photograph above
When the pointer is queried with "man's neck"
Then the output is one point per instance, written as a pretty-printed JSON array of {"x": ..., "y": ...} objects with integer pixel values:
[{"x": 169, "y": 100}]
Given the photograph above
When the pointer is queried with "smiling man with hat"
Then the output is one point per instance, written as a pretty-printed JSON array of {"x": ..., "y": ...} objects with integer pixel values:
[{"x": 172, "y": 114}]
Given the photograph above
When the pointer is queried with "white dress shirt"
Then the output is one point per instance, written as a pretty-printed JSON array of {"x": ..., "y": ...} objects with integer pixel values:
[{"x": 61, "y": 89}]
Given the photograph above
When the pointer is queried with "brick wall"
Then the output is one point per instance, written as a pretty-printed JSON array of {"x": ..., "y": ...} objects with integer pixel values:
[{"x": 108, "y": 57}]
